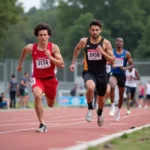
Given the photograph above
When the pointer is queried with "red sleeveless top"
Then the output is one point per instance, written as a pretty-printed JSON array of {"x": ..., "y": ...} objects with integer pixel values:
[{"x": 42, "y": 66}]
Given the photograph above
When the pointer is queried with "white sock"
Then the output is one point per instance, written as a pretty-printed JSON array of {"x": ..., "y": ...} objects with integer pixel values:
[
  {"x": 112, "y": 105},
  {"x": 118, "y": 109}
]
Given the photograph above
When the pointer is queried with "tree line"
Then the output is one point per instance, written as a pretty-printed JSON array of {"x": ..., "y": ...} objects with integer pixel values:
[{"x": 70, "y": 19}]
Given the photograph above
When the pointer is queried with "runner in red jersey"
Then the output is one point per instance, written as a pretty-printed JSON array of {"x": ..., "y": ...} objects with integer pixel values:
[{"x": 46, "y": 57}]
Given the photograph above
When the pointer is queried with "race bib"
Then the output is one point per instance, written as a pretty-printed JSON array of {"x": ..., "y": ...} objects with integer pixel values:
[
  {"x": 43, "y": 63},
  {"x": 108, "y": 68},
  {"x": 118, "y": 62},
  {"x": 94, "y": 55},
  {"x": 32, "y": 81}
]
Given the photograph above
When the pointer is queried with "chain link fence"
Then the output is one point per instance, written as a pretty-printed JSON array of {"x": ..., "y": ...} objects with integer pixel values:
[{"x": 66, "y": 78}]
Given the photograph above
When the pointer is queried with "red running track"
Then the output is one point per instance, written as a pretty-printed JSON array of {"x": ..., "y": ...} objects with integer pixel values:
[{"x": 66, "y": 127}]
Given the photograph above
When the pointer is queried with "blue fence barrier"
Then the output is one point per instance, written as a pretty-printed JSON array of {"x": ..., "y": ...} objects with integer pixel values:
[{"x": 72, "y": 101}]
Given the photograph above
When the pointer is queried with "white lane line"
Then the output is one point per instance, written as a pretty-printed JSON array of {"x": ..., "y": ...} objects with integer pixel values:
[
  {"x": 29, "y": 109},
  {"x": 79, "y": 142},
  {"x": 15, "y": 110},
  {"x": 35, "y": 123},
  {"x": 31, "y": 123},
  {"x": 118, "y": 124},
  {"x": 25, "y": 116},
  {"x": 104, "y": 135},
  {"x": 27, "y": 129},
  {"x": 57, "y": 121},
  {"x": 103, "y": 139},
  {"x": 56, "y": 117},
  {"x": 55, "y": 149}
]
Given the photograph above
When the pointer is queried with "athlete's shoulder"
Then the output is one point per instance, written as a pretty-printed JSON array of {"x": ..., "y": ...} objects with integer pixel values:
[
  {"x": 29, "y": 47},
  {"x": 127, "y": 51},
  {"x": 128, "y": 54},
  {"x": 54, "y": 45},
  {"x": 55, "y": 48},
  {"x": 107, "y": 43},
  {"x": 83, "y": 40},
  {"x": 105, "y": 40}
]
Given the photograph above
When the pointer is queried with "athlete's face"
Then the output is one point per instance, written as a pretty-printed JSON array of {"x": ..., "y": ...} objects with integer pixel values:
[
  {"x": 95, "y": 31},
  {"x": 119, "y": 43},
  {"x": 43, "y": 36}
]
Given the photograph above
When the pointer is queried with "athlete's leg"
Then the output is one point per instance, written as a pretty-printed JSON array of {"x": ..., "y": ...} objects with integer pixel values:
[
  {"x": 146, "y": 102},
  {"x": 128, "y": 93},
  {"x": 101, "y": 87},
  {"x": 121, "y": 89},
  {"x": 121, "y": 98},
  {"x": 131, "y": 100},
  {"x": 90, "y": 82},
  {"x": 37, "y": 91},
  {"x": 50, "y": 101},
  {"x": 50, "y": 89},
  {"x": 90, "y": 86},
  {"x": 133, "y": 92},
  {"x": 95, "y": 100},
  {"x": 113, "y": 84},
  {"x": 107, "y": 95},
  {"x": 100, "y": 117}
]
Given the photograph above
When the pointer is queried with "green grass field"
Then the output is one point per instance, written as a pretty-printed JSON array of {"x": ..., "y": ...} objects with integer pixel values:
[{"x": 138, "y": 140}]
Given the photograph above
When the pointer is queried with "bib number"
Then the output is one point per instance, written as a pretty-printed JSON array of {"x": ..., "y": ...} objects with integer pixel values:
[
  {"x": 94, "y": 55},
  {"x": 32, "y": 81},
  {"x": 44, "y": 63},
  {"x": 118, "y": 62}
]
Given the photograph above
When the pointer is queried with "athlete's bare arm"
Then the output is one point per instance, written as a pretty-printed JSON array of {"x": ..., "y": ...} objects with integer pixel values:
[
  {"x": 25, "y": 51},
  {"x": 76, "y": 52},
  {"x": 57, "y": 60},
  {"x": 129, "y": 60},
  {"x": 107, "y": 52},
  {"x": 137, "y": 75},
  {"x": 78, "y": 48}
]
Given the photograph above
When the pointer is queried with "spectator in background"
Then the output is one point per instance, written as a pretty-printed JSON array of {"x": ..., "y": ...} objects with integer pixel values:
[
  {"x": 147, "y": 92},
  {"x": 23, "y": 102},
  {"x": 132, "y": 75},
  {"x": 12, "y": 89},
  {"x": 141, "y": 91},
  {"x": 4, "y": 102}
]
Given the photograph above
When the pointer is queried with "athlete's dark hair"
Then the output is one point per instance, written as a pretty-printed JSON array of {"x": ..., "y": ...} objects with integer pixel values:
[
  {"x": 13, "y": 76},
  {"x": 42, "y": 26},
  {"x": 96, "y": 23}
]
